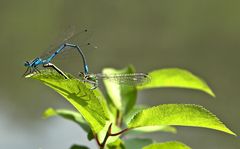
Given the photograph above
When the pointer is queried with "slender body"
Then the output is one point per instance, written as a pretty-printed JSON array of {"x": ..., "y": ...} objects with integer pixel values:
[{"x": 32, "y": 65}]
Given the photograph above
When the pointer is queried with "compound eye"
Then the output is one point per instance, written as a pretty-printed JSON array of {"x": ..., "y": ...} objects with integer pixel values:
[
  {"x": 81, "y": 74},
  {"x": 26, "y": 63}
]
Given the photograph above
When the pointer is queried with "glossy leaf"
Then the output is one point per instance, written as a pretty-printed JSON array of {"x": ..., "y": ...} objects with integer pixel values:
[
  {"x": 167, "y": 145},
  {"x": 137, "y": 108},
  {"x": 89, "y": 103},
  {"x": 148, "y": 129},
  {"x": 179, "y": 115},
  {"x": 175, "y": 77}
]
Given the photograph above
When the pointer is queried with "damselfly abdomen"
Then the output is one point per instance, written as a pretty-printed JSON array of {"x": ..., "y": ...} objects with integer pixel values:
[{"x": 47, "y": 57}]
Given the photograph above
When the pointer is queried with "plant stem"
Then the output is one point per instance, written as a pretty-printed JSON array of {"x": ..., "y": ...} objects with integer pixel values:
[
  {"x": 115, "y": 134},
  {"x": 96, "y": 138},
  {"x": 108, "y": 134},
  {"x": 118, "y": 119}
]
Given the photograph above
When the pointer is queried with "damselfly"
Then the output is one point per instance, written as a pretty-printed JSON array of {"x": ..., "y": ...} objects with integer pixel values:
[
  {"x": 45, "y": 61},
  {"x": 132, "y": 79}
]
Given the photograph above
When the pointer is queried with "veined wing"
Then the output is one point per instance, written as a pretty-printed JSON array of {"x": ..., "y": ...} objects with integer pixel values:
[
  {"x": 132, "y": 79},
  {"x": 73, "y": 36}
]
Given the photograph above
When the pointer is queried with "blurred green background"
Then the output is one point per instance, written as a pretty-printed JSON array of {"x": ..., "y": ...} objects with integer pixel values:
[{"x": 201, "y": 36}]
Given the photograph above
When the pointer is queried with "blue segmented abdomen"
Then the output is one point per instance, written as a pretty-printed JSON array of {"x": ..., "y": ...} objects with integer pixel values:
[
  {"x": 55, "y": 53},
  {"x": 86, "y": 69}
]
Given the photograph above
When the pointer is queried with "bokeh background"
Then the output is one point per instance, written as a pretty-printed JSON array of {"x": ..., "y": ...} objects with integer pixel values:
[{"x": 201, "y": 36}]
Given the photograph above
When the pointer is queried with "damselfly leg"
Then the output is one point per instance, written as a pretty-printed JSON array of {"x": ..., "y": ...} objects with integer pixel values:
[
  {"x": 45, "y": 60},
  {"x": 26, "y": 72},
  {"x": 89, "y": 79},
  {"x": 31, "y": 70},
  {"x": 57, "y": 69}
]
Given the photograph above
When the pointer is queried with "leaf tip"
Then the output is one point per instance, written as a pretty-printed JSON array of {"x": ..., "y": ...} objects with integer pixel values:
[
  {"x": 48, "y": 113},
  {"x": 210, "y": 92},
  {"x": 29, "y": 75},
  {"x": 231, "y": 132}
]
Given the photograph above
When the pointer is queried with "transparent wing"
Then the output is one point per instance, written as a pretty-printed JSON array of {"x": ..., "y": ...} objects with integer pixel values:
[
  {"x": 73, "y": 36},
  {"x": 133, "y": 79}
]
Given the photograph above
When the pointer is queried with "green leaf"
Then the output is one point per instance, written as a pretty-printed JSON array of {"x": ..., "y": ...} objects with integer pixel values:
[
  {"x": 175, "y": 77},
  {"x": 178, "y": 114},
  {"x": 68, "y": 114},
  {"x": 79, "y": 147},
  {"x": 89, "y": 103},
  {"x": 137, "y": 108},
  {"x": 123, "y": 96},
  {"x": 167, "y": 145},
  {"x": 149, "y": 129},
  {"x": 118, "y": 144},
  {"x": 90, "y": 135},
  {"x": 136, "y": 143}
]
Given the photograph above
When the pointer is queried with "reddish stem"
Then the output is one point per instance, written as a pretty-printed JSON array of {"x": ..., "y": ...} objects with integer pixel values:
[
  {"x": 108, "y": 134},
  {"x": 116, "y": 134}
]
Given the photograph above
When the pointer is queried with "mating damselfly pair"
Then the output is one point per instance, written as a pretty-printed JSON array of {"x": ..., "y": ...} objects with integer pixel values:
[{"x": 132, "y": 79}]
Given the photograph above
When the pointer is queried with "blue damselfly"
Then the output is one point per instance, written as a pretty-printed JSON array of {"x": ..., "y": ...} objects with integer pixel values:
[{"x": 45, "y": 60}]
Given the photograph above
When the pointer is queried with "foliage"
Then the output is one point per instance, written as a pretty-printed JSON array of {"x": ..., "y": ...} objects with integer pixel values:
[{"x": 109, "y": 120}]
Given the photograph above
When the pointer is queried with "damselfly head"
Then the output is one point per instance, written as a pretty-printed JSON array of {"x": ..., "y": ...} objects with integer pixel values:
[
  {"x": 81, "y": 75},
  {"x": 27, "y": 64}
]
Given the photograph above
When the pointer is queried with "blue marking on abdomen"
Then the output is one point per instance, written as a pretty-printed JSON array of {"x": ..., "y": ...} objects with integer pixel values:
[{"x": 86, "y": 69}]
